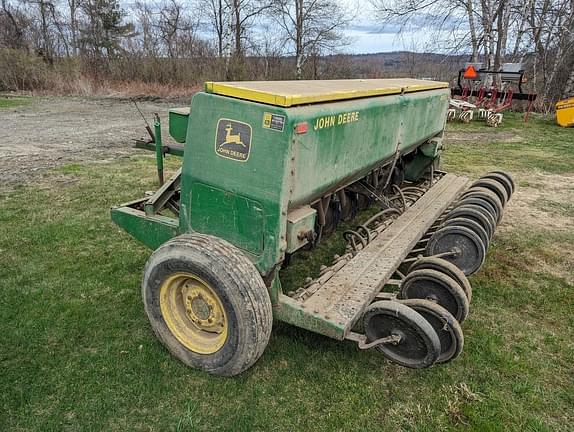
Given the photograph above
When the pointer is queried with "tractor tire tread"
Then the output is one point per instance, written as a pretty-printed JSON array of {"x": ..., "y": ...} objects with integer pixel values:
[{"x": 248, "y": 292}]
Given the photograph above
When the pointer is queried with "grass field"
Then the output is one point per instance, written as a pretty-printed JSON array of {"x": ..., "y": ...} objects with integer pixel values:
[
  {"x": 10, "y": 102},
  {"x": 77, "y": 352}
]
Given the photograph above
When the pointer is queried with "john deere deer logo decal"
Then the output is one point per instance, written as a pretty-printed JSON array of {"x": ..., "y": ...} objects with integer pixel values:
[{"x": 233, "y": 139}]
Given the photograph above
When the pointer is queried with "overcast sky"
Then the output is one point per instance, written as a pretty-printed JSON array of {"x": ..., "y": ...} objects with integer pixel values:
[
  {"x": 365, "y": 34},
  {"x": 363, "y": 39},
  {"x": 368, "y": 34}
]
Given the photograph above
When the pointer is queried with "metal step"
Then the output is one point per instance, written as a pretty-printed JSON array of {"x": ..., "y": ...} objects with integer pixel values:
[{"x": 343, "y": 298}]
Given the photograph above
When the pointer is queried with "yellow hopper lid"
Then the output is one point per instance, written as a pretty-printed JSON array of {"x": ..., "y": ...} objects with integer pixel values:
[{"x": 290, "y": 93}]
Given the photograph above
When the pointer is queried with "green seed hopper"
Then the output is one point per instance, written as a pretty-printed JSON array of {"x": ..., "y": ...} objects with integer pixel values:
[{"x": 269, "y": 169}]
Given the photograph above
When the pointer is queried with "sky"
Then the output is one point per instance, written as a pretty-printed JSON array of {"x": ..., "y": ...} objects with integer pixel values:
[
  {"x": 365, "y": 34},
  {"x": 368, "y": 34},
  {"x": 363, "y": 41}
]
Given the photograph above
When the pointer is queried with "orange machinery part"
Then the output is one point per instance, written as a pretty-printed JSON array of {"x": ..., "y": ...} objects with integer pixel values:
[{"x": 470, "y": 72}]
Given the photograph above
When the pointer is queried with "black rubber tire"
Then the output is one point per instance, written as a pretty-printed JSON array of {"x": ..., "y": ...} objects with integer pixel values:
[
  {"x": 503, "y": 180},
  {"x": 444, "y": 324},
  {"x": 494, "y": 186},
  {"x": 508, "y": 177},
  {"x": 489, "y": 196},
  {"x": 474, "y": 214},
  {"x": 473, "y": 225},
  {"x": 420, "y": 346},
  {"x": 471, "y": 250},
  {"x": 480, "y": 202},
  {"x": 428, "y": 284},
  {"x": 237, "y": 283}
]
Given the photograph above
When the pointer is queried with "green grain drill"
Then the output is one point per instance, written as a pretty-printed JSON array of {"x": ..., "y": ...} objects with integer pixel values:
[{"x": 270, "y": 169}]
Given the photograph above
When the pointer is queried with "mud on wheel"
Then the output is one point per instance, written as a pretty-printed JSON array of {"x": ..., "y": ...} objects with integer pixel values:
[
  {"x": 444, "y": 324},
  {"x": 416, "y": 344},
  {"x": 207, "y": 303},
  {"x": 458, "y": 245},
  {"x": 449, "y": 269},
  {"x": 436, "y": 286}
]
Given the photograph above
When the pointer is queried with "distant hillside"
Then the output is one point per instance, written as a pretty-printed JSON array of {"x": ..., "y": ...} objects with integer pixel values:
[{"x": 391, "y": 64}]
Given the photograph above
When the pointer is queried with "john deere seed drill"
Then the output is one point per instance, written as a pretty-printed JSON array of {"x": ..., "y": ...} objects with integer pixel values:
[{"x": 269, "y": 169}]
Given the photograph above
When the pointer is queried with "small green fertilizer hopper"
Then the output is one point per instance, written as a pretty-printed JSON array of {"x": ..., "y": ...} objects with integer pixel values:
[{"x": 269, "y": 169}]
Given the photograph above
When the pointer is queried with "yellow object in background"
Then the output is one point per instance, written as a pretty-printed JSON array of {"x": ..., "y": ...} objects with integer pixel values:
[{"x": 565, "y": 112}]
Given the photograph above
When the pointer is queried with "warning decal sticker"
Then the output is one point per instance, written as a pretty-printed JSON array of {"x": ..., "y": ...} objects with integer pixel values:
[{"x": 273, "y": 121}]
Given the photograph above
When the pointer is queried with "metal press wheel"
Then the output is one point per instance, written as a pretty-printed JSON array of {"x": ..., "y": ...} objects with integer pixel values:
[
  {"x": 507, "y": 176},
  {"x": 458, "y": 245},
  {"x": 471, "y": 224},
  {"x": 482, "y": 203},
  {"x": 444, "y": 324},
  {"x": 472, "y": 213},
  {"x": 443, "y": 266},
  {"x": 416, "y": 345},
  {"x": 487, "y": 195},
  {"x": 207, "y": 304},
  {"x": 433, "y": 285},
  {"x": 503, "y": 180},
  {"x": 495, "y": 186},
  {"x": 491, "y": 219}
]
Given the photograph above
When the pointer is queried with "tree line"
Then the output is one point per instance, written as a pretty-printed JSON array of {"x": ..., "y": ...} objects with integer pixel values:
[
  {"x": 172, "y": 41},
  {"x": 216, "y": 37},
  {"x": 537, "y": 33}
]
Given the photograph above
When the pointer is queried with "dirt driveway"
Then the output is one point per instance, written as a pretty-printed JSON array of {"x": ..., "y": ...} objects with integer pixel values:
[{"x": 54, "y": 131}]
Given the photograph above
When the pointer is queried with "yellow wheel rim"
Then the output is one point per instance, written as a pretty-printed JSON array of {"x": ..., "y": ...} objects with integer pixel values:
[{"x": 193, "y": 313}]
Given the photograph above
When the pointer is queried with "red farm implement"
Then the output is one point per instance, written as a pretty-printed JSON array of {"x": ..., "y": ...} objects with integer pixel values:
[{"x": 489, "y": 92}]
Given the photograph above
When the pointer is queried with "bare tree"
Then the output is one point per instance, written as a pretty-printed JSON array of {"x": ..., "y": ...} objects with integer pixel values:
[
  {"x": 60, "y": 37},
  {"x": 569, "y": 86},
  {"x": 550, "y": 35},
  {"x": 45, "y": 47},
  {"x": 217, "y": 14},
  {"x": 469, "y": 6},
  {"x": 170, "y": 23},
  {"x": 147, "y": 28},
  {"x": 537, "y": 31},
  {"x": 73, "y": 7},
  {"x": 440, "y": 20},
  {"x": 311, "y": 27},
  {"x": 12, "y": 26},
  {"x": 243, "y": 14},
  {"x": 270, "y": 52}
]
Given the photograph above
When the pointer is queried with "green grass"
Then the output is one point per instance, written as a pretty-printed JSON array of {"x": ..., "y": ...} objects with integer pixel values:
[
  {"x": 77, "y": 352},
  {"x": 13, "y": 101},
  {"x": 539, "y": 144},
  {"x": 559, "y": 208}
]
